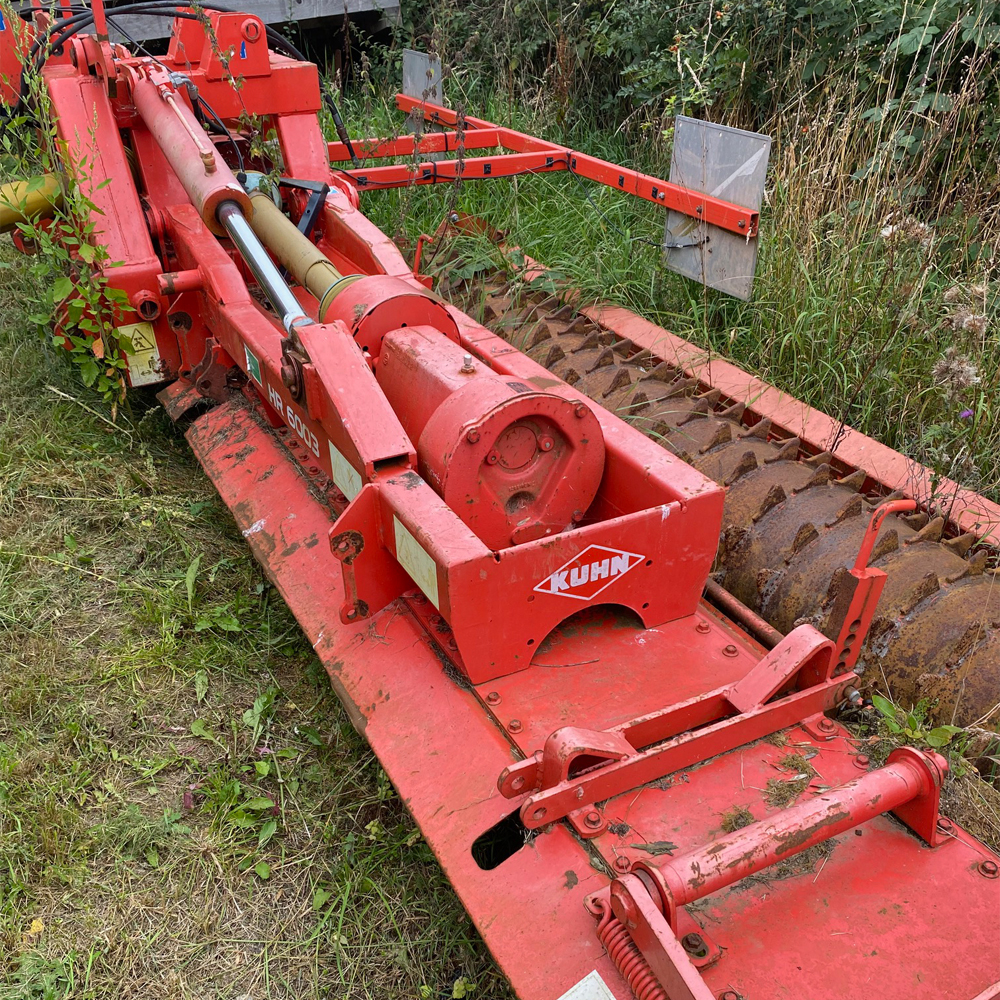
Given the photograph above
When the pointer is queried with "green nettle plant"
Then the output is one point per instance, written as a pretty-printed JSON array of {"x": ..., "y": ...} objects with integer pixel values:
[{"x": 71, "y": 301}]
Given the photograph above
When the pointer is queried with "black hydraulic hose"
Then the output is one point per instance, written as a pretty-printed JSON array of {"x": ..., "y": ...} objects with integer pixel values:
[
  {"x": 61, "y": 31},
  {"x": 338, "y": 124}
]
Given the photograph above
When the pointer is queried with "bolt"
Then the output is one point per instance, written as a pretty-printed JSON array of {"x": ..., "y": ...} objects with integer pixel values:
[
  {"x": 989, "y": 869},
  {"x": 546, "y": 443},
  {"x": 539, "y": 813},
  {"x": 343, "y": 545},
  {"x": 622, "y": 864},
  {"x": 514, "y": 726},
  {"x": 703, "y": 627},
  {"x": 577, "y": 516},
  {"x": 492, "y": 458},
  {"x": 472, "y": 437},
  {"x": 944, "y": 825},
  {"x": 861, "y": 761},
  {"x": 593, "y": 819},
  {"x": 493, "y": 698},
  {"x": 287, "y": 374},
  {"x": 419, "y": 598},
  {"x": 313, "y": 470},
  {"x": 453, "y": 218},
  {"x": 827, "y": 726},
  {"x": 579, "y": 792},
  {"x": 467, "y": 366},
  {"x": 694, "y": 944},
  {"x": 730, "y": 651},
  {"x": 742, "y": 223},
  {"x": 580, "y": 410}
]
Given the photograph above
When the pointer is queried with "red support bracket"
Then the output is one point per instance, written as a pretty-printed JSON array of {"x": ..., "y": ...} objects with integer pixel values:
[
  {"x": 528, "y": 154},
  {"x": 616, "y": 761},
  {"x": 858, "y": 596}
]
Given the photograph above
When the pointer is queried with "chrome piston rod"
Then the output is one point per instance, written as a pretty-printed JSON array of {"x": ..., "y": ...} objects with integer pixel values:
[{"x": 278, "y": 293}]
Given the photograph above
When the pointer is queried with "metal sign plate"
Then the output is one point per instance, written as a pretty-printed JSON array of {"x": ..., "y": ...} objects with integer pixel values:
[
  {"x": 422, "y": 80},
  {"x": 728, "y": 163},
  {"x": 422, "y": 76}
]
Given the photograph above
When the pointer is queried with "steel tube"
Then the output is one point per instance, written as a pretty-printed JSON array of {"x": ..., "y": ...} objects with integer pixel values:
[
  {"x": 767, "y": 636},
  {"x": 310, "y": 267},
  {"x": 714, "y": 866},
  {"x": 202, "y": 172},
  {"x": 20, "y": 202},
  {"x": 278, "y": 293}
]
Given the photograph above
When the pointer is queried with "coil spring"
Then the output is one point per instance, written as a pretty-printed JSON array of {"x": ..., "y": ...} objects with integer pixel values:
[{"x": 624, "y": 952}]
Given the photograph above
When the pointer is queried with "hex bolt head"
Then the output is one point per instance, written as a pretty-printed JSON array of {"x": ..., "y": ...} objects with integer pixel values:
[
  {"x": 694, "y": 944},
  {"x": 593, "y": 819},
  {"x": 473, "y": 436},
  {"x": 862, "y": 761},
  {"x": 467, "y": 366},
  {"x": 577, "y": 516},
  {"x": 827, "y": 726},
  {"x": 493, "y": 698},
  {"x": 703, "y": 627},
  {"x": 730, "y": 650},
  {"x": 944, "y": 825},
  {"x": 989, "y": 869},
  {"x": 514, "y": 726},
  {"x": 622, "y": 864},
  {"x": 580, "y": 410}
]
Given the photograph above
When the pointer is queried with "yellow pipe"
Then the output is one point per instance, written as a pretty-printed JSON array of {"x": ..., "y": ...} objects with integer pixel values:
[
  {"x": 22, "y": 202},
  {"x": 310, "y": 267}
]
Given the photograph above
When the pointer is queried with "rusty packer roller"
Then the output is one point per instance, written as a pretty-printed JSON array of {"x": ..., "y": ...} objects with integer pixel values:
[{"x": 792, "y": 527}]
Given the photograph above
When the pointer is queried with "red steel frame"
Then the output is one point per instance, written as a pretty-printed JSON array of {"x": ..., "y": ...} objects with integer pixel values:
[
  {"x": 608, "y": 743},
  {"x": 526, "y": 154}
]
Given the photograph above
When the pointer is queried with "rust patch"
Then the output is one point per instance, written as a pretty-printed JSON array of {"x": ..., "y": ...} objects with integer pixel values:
[{"x": 796, "y": 839}]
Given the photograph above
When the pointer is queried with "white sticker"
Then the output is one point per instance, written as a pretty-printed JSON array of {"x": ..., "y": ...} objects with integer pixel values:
[
  {"x": 591, "y": 987},
  {"x": 144, "y": 358},
  {"x": 344, "y": 474},
  {"x": 413, "y": 557},
  {"x": 589, "y": 572}
]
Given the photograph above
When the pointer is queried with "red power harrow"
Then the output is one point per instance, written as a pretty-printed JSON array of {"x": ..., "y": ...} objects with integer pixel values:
[{"x": 503, "y": 578}]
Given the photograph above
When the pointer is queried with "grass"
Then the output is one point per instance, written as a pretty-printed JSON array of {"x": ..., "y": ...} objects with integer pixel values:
[{"x": 185, "y": 810}]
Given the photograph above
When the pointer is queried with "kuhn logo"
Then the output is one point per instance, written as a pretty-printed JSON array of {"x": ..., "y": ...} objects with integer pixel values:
[{"x": 589, "y": 572}]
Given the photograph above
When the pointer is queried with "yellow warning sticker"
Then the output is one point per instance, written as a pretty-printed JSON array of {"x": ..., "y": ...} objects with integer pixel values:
[
  {"x": 144, "y": 358},
  {"x": 413, "y": 557}
]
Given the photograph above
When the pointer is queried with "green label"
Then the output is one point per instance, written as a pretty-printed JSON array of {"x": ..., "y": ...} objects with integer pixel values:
[{"x": 253, "y": 365}]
